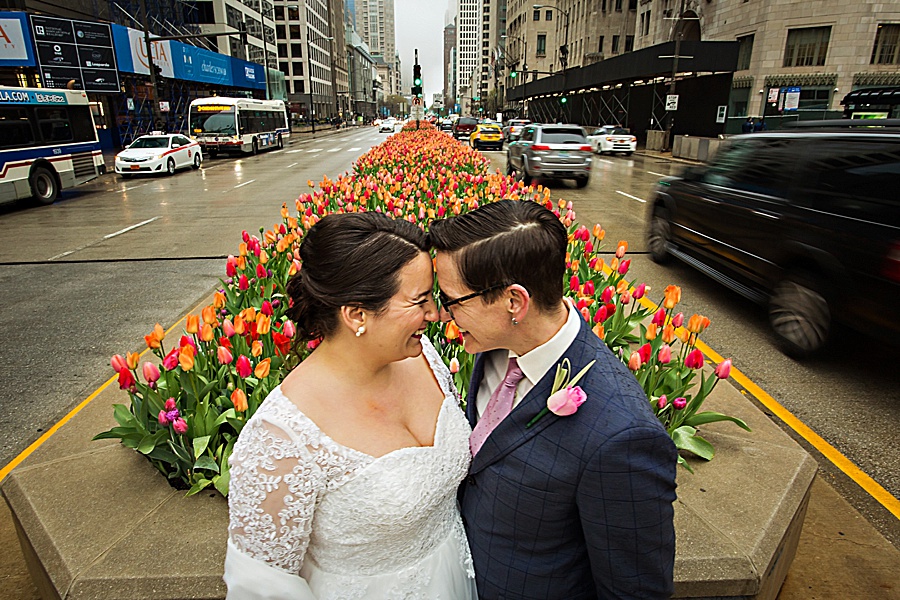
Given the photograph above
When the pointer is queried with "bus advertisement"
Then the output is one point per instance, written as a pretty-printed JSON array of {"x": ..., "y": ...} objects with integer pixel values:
[
  {"x": 48, "y": 143},
  {"x": 238, "y": 124}
]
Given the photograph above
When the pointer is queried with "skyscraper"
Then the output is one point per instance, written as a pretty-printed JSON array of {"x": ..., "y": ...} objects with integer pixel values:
[{"x": 374, "y": 22}]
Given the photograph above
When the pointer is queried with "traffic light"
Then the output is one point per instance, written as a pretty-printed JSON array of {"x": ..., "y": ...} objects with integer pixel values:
[
  {"x": 564, "y": 55},
  {"x": 564, "y": 100},
  {"x": 242, "y": 27},
  {"x": 512, "y": 74},
  {"x": 417, "y": 81}
]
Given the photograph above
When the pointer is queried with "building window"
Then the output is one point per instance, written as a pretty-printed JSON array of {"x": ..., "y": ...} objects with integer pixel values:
[
  {"x": 806, "y": 47},
  {"x": 279, "y": 13},
  {"x": 548, "y": 15},
  {"x": 629, "y": 43},
  {"x": 603, "y": 6},
  {"x": 537, "y": 15},
  {"x": 632, "y": 4},
  {"x": 600, "y": 45},
  {"x": 618, "y": 5},
  {"x": 282, "y": 51},
  {"x": 296, "y": 50},
  {"x": 615, "y": 44},
  {"x": 745, "y": 51},
  {"x": 819, "y": 97},
  {"x": 887, "y": 45},
  {"x": 293, "y": 13},
  {"x": 541, "y": 44}
]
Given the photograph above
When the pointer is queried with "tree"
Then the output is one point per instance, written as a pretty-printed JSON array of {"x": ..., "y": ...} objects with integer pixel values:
[
  {"x": 394, "y": 103},
  {"x": 492, "y": 103}
]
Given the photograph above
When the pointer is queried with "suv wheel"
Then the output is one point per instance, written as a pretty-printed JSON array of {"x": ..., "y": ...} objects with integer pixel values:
[
  {"x": 509, "y": 167},
  {"x": 659, "y": 235},
  {"x": 581, "y": 182},
  {"x": 799, "y": 315}
]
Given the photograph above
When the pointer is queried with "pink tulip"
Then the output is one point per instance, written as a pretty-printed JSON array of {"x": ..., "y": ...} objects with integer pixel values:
[
  {"x": 589, "y": 288},
  {"x": 231, "y": 266},
  {"x": 694, "y": 359},
  {"x": 289, "y": 329},
  {"x": 245, "y": 236},
  {"x": 151, "y": 372},
  {"x": 723, "y": 370},
  {"x": 243, "y": 366},
  {"x": 664, "y": 355},
  {"x": 180, "y": 426},
  {"x": 662, "y": 402},
  {"x": 586, "y": 314},
  {"x": 634, "y": 362},
  {"x": 659, "y": 319},
  {"x": 678, "y": 320},
  {"x": 170, "y": 405},
  {"x": 261, "y": 271},
  {"x": 574, "y": 284},
  {"x": 228, "y": 328},
  {"x": 623, "y": 266},
  {"x": 171, "y": 359},
  {"x": 625, "y": 298},
  {"x": 566, "y": 401},
  {"x": 266, "y": 308},
  {"x": 588, "y": 248},
  {"x": 224, "y": 355},
  {"x": 679, "y": 403},
  {"x": 118, "y": 363},
  {"x": 607, "y": 294},
  {"x": 639, "y": 291},
  {"x": 162, "y": 418},
  {"x": 600, "y": 315},
  {"x": 454, "y": 365}
]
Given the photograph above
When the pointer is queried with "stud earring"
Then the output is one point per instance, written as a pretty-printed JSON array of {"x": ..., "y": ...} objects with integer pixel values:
[
  {"x": 514, "y": 322},
  {"x": 361, "y": 330}
]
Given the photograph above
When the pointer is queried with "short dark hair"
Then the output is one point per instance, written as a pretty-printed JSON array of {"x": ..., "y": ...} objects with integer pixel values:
[
  {"x": 509, "y": 241},
  {"x": 351, "y": 259}
]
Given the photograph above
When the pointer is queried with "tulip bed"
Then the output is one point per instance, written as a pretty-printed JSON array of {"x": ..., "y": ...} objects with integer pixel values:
[{"x": 188, "y": 406}]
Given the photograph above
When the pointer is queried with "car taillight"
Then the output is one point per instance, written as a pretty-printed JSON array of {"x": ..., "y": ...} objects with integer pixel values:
[
  {"x": 540, "y": 148},
  {"x": 586, "y": 148},
  {"x": 891, "y": 268}
]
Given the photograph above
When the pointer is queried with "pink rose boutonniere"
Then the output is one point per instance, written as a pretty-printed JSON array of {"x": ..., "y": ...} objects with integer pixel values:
[{"x": 565, "y": 396}]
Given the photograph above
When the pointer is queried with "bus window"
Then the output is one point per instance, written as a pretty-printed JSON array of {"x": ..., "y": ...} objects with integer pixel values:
[
  {"x": 15, "y": 128},
  {"x": 54, "y": 125},
  {"x": 80, "y": 119}
]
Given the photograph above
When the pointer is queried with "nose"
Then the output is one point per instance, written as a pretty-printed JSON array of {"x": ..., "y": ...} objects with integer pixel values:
[{"x": 444, "y": 315}]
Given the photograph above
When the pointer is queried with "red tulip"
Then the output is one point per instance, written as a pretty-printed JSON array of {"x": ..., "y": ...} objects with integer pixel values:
[
  {"x": 589, "y": 288},
  {"x": 171, "y": 359},
  {"x": 607, "y": 294},
  {"x": 243, "y": 367},
  {"x": 243, "y": 283},
  {"x": 659, "y": 319},
  {"x": 127, "y": 380},
  {"x": 694, "y": 359},
  {"x": 574, "y": 284},
  {"x": 645, "y": 352},
  {"x": 623, "y": 266},
  {"x": 266, "y": 308}
]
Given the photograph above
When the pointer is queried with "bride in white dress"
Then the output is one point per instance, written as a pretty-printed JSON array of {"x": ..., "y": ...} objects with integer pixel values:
[{"x": 343, "y": 484}]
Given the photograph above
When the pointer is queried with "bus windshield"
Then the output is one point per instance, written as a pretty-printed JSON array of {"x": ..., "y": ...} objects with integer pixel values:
[{"x": 213, "y": 119}]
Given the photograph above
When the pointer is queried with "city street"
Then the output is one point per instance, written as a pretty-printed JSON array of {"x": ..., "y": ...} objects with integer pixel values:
[{"x": 88, "y": 276}]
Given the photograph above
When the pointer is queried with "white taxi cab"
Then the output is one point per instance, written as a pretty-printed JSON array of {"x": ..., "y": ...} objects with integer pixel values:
[{"x": 158, "y": 153}]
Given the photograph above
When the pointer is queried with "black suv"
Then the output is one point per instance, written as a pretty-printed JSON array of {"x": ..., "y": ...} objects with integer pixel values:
[{"x": 807, "y": 222}]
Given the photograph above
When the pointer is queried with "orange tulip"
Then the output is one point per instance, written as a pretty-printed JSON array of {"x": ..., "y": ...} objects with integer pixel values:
[
  {"x": 239, "y": 325},
  {"x": 598, "y": 232},
  {"x": 209, "y": 315},
  {"x": 262, "y": 369},
  {"x": 668, "y": 334},
  {"x": 132, "y": 359},
  {"x": 451, "y": 331},
  {"x": 621, "y": 287},
  {"x": 239, "y": 399},
  {"x": 598, "y": 266},
  {"x": 621, "y": 248},
  {"x": 599, "y": 331},
  {"x": 193, "y": 324},
  {"x": 652, "y": 332},
  {"x": 186, "y": 357},
  {"x": 672, "y": 296},
  {"x": 256, "y": 348},
  {"x": 263, "y": 257},
  {"x": 219, "y": 300},
  {"x": 697, "y": 323},
  {"x": 263, "y": 324},
  {"x": 206, "y": 333},
  {"x": 153, "y": 341},
  {"x": 241, "y": 262},
  {"x": 242, "y": 248},
  {"x": 614, "y": 264},
  {"x": 249, "y": 314}
]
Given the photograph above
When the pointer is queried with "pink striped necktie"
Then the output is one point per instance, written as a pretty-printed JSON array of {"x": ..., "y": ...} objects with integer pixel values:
[{"x": 498, "y": 407}]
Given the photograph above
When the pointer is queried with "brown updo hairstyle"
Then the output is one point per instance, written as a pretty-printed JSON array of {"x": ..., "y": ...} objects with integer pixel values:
[{"x": 351, "y": 259}]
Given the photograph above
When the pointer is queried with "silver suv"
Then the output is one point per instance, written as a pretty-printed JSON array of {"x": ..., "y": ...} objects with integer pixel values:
[{"x": 550, "y": 152}]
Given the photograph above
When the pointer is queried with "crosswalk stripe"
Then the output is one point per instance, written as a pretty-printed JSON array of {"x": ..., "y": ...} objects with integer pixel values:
[
  {"x": 294, "y": 151},
  {"x": 353, "y": 149},
  {"x": 335, "y": 149},
  {"x": 315, "y": 150}
]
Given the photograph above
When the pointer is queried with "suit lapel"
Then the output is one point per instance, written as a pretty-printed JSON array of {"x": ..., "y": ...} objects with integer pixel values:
[
  {"x": 474, "y": 384},
  {"x": 511, "y": 432}
]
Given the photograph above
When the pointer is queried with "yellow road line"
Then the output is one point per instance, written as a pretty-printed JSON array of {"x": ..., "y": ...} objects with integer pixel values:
[
  {"x": 46, "y": 435},
  {"x": 862, "y": 479}
]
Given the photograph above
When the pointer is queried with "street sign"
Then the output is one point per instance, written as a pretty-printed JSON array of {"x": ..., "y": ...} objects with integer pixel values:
[
  {"x": 671, "y": 101},
  {"x": 791, "y": 98},
  {"x": 416, "y": 101},
  {"x": 417, "y": 112},
  {"x": 720, "y": 114}
]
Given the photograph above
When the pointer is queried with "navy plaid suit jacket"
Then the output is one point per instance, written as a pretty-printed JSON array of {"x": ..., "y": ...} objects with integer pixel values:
[{"x": 576, "y": 507}]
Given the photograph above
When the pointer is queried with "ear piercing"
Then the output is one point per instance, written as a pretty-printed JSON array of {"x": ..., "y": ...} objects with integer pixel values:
[
  {"x": 361, "y": 330},
  {"x": 514, "y": 322}
]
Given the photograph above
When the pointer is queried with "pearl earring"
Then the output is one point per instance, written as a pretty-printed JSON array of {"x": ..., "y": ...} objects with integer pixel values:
[{"x": 361, "y": 330}]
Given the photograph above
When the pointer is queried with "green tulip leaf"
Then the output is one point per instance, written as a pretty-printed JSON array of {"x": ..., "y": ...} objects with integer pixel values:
[
  {"x": 207, "y": 463},
  {"x": 713, "y": 417},
  {"x": 686, "y": 438},
  {"x": 200, "y": 444},
  {"x": 198, "y": 487}
]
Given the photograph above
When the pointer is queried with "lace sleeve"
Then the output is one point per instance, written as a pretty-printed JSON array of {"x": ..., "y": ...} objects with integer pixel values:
[{"x": 276, "y": 480}]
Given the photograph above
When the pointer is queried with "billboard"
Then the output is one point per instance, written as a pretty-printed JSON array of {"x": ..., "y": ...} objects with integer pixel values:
[
  {"x": 78, "y": 51},
  {"x": 15, "y": 41}
]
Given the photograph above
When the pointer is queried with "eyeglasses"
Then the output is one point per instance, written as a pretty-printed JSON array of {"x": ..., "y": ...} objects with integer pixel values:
[{"x": 444, "y": 302}]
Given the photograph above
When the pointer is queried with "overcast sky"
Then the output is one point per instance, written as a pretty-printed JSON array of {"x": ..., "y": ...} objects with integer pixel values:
[{"x": 420, "y": 24}]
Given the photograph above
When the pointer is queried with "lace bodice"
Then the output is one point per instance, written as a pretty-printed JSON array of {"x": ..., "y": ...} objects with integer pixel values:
[{"x": 298, "y": 496}]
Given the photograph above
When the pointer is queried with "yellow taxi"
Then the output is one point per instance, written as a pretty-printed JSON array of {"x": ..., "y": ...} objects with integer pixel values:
[{"x": 486, "y": 135}]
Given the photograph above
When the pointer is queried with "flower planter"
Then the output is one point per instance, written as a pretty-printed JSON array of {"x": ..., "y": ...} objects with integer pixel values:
[{"x": 96, "y": 521}]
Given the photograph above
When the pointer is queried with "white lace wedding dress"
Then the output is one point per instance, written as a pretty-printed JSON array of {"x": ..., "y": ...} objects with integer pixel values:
[{"x": 312, "y": 519}]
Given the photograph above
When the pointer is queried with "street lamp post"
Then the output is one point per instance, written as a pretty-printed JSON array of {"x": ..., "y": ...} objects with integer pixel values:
[
  {"x": 564, "y": 56},
  {"x": 262, "y": 22},
  {"x": 309, "y": 73}
]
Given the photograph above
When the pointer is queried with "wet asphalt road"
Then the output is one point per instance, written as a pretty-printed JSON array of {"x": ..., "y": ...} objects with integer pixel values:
[{"x": 79, "y": 282}]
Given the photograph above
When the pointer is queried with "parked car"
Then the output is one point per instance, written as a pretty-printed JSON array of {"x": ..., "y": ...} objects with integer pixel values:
[
  {"x": 464, "y": 127},
  {"x": 487, "y": 136},
  {"x": 807, "y": 223},
  {"x": 387, "y": 126},
  {"x": 513, "y": 129},
  {"x": 551, "y": 152},
  {"x": 612, "y": 139},
  {"x": 158, "y": 153},
  {"x": 447, "y": 125}
]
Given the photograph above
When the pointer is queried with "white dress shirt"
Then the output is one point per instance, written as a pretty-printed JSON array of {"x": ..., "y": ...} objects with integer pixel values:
[{"x": 534, "y": 364}]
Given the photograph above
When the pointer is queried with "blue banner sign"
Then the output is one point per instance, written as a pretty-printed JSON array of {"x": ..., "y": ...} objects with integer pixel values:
[
  {"x": 13, "y": 96},
  {"x": 16, "y": 49}
]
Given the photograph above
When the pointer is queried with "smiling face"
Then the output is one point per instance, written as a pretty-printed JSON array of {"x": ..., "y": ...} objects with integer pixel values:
[
  {"x": 398, "y": 330},
  {"x": 484, "y": 326}
]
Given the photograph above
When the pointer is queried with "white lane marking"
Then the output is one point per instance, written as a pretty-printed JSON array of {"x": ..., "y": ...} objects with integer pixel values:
[
  {"x": 604, "y": 160},
  {"x": 630, "y": 196},
  {"x": 291, "y": 165},
  {"x": 243, "y": 184},
  {"x": 294, "y": 151},
  {"x": 657, "y": 174},
  {"x": 276, "y": 151},
  {"x": 354, "y": 149},
  {"x": 121, "y": 231},
  {"x": 335, "y": 149},
  {"x": 105, "y": 237},
  {"x": 134, "y": 187},
  {"x": 315, "y": 150}
]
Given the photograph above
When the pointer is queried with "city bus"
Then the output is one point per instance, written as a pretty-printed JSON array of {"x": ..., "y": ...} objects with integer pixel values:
[
  {"x": 238, "y": 124},
  {"x": 48, "y": 143}
]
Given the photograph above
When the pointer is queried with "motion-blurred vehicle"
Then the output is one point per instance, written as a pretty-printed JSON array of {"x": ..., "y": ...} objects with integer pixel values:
[
  {"x": 464, "y": 126},
  {"x": 550, "y": 152},
  {"x": 387, "y": 126},
  {"x": 612, "y": 139},
  {"x": 158, "y": 153},
  {"x": 447, "y": 125},
  {"x": 805, "y": 222},
  {"x": 513, "y": 129},
  {"x": 487, "y": 136}
]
